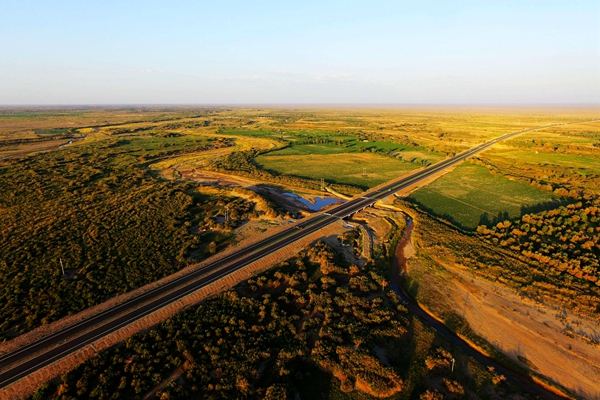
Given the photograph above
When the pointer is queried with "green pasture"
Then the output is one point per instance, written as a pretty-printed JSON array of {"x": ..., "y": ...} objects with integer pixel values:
[
  {"x": 291, "y": 135},
  {"x": 249, "y": 132},
  {"x": 333, "y": 143},
  {"x": 350, "y": 145},
  {"x": 556, "y": 137},
  {"x": 573, "y": 161},
  {"x": 471, "y": 195},
  {"x": 344, "y": 168},
  {"x": 308, "y": 149}
]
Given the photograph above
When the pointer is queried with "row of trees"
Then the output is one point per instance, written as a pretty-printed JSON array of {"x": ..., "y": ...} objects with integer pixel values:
[{"x": 488, "y": 258}]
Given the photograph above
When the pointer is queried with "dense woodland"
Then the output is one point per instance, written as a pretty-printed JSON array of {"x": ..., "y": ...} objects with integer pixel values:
[
  {"x": 112, "y": 224},
  {"x": 566, "y": 238},
  {"x": 531, "y": 278},
  {"x": 313, "y": 326}
]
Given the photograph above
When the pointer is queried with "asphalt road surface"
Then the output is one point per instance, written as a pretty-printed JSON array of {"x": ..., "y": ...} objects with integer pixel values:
[{"x": 40, "y": 353}]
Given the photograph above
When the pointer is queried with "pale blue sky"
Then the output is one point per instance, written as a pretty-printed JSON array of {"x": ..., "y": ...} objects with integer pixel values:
[{"x": 215, "y": 52}]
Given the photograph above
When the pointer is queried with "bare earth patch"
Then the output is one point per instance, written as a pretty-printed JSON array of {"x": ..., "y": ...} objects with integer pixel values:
[{"x": 536, "y": 336}]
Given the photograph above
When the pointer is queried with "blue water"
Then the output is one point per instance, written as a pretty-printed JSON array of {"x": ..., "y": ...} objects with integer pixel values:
[{"x": 318, "y": 203}]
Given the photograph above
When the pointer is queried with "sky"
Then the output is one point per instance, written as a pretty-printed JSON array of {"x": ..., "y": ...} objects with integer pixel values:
[{"x": 299, "y": 52}]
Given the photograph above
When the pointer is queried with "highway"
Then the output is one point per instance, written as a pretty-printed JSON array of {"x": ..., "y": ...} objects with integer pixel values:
[{"x": 40, "y": 353}]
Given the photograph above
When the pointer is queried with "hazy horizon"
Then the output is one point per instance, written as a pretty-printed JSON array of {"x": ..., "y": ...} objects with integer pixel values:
[
  {"x": 490, "y": 106},
  {"x": 349, "y": 53}
]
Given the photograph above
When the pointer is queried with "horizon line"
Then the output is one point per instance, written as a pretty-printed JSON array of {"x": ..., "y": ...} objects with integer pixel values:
[{"x": 306, "y": 105}]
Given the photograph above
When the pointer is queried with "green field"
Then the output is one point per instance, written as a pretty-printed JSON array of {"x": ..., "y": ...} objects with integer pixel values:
[
  {"x": 574, "y": 161},
  {"x": 307, "y": 149},
  {"x": 346, "y": 146},
  {"x": 248, "y": 132},
  {"x": 471, "y": 195},
  {"x": 343, "y": 168},
  {"x": 342, "y": 162},
  {"x": 154, "y": 144}
]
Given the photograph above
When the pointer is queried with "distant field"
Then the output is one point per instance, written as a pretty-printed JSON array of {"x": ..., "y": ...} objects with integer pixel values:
[
  {"x": 307, "y": 149},
  {"x": 136, "y": 145},
  {"x": 344, "y": 168},
  {"x": 560, "y": 160},
  {"x": 354, "y": 146},
  {"x": 566, "y": 146},
  {"x": 471, "y": 195},
  {"x": 248, "y": 132}
]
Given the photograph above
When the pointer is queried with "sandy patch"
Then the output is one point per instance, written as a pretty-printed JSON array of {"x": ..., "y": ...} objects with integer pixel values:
[{"x": 534, "y": 335}]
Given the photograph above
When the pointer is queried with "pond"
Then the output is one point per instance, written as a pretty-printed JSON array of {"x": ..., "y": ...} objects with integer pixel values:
[{"x": 318, "y": 203}]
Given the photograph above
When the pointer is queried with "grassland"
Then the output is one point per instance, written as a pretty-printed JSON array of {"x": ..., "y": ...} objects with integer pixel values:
[
  {"x": 565, "y": 158},
  {"x": 352, "y": 145},
  {"x": 471, "y": 196},
  {"x": 341, "y": 168},
  {"x": 309, "y": 149},
  {"x": 339, "y": 159},
  {"x": 571, "y": 161},
  {"x": 575, "y": 147}
]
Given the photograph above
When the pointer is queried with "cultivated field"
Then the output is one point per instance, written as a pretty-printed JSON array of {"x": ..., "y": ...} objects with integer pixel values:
[
  {"x": 338, "y": 168},
  {"x": 471, "y": 196}
]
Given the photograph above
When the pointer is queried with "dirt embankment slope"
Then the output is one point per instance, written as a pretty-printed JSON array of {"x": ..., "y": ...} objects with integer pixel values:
[{"x": 542, "y": 337}]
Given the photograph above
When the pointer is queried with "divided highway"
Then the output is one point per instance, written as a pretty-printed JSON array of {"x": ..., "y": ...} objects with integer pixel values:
[{"x": 40, "y": 353}]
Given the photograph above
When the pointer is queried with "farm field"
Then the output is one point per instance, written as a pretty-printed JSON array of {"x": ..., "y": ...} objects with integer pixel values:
[
  {"x": 471, "y": 196},
  {"x": 342, "y": 168},
  {"x": 570, "y": 161}
]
